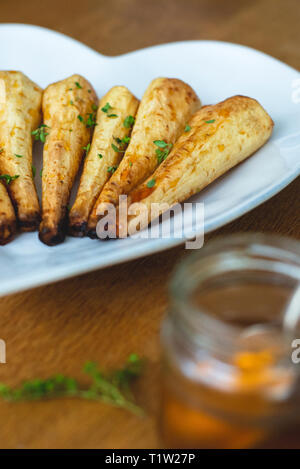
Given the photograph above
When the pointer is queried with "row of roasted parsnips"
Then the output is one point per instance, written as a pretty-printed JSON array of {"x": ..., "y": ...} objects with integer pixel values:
[{"x": 160, "y": 150}]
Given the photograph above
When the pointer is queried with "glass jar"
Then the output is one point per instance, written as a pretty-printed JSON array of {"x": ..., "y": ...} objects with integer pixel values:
[{"x": 228, "y": 377}]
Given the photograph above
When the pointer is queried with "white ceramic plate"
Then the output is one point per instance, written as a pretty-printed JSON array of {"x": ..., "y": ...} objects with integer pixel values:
[{"x": 216, "y": 70}]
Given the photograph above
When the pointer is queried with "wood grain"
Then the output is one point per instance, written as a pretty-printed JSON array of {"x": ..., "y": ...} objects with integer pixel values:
[{"x": 108, "y": 314}]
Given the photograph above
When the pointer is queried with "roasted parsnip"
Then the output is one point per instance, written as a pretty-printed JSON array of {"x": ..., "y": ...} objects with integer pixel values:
[
  {"x": 8, "y": 223},
  {"x": 219, "y": 138},
  {"x": 20, "y": 114},
  {"x": 164, "y": 111},
  {"x": 116, "y": 113},
  {"x": 69, "y": 113}
]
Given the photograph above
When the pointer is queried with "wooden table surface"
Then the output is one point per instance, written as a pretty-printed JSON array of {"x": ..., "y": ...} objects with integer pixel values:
[{"x": 106, "y": 315}]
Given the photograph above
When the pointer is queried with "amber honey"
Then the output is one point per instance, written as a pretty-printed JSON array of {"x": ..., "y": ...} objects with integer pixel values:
[{"x": 228, "y": 378}]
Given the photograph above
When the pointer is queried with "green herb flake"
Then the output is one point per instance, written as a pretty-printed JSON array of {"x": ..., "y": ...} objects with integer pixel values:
[
  {"x": 80, "y": 118},
  {"x": 116, "y": 149},
  {"x": 94, "y": 107},
  {"x": 8, "y": 179},
  {"x": 33, "y": 171},
  {"x": 163, "y": 150},
  {"x": 129, "y": 122},
  {"x": 41, "y": 133},
  {"x": 151, "y": 183},
  {"x": 18, "y": 156},
  {"x": 187, "y": 128},
  {"x": 89, "y": 91},
  {"x": 210, "y": 121},
  {"x": 72, "y": 103},
  {"x": 160, "y": 143},
  {"x": 100, "y": 156},
  {"x": 106, "y": 108},
  {"x": 130, "y": 163},
  {"x": 122, "y": 144},
  {"x": 91, "y": 121},
  {"x": 87, "y": 148},
  {"x": 78, "y": 85},
  {"x": 1, "y": 150},
  {"x": 112, "y": 169}
]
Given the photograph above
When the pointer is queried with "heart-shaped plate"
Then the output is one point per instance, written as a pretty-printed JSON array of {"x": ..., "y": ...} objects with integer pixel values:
[{"x": 216, "y": 70}]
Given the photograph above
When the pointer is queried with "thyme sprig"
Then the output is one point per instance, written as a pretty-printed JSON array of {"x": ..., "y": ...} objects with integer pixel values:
[{"x": 112, "y": 388}]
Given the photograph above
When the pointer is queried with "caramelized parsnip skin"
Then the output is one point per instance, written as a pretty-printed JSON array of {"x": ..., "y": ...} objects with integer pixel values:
[
  {"x": 20, "y": 114},
  {"x": 221, "y": 136},
  {"x": 166, "y": 107},
  {"x": 66, "y": 107},
  {"x": 8, "y": 222},
  {"x": 102, "y": 158}
]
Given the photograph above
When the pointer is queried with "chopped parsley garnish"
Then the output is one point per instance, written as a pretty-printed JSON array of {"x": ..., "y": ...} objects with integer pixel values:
[
  {"x": 130, "y": 163},
  {"x": 1, "y": 150},
  {"x": 122, "y": 144},
  {"x": 100, "y": 155},
  {"x": 94, "y": 107},
  {"x": 87, "y": 148},
  {"x": 187, "y": 128},
  {"x": 72, "y": 103},
  {"x": 106, "y": 108},
  {"x": 112, "y": 169},
  {"x": 91, "y": 121},
  {"x": 151, "y": 183},
  {"x": 211, "y": 121},
  {"x": 78, "y": 85},
  {"x": 129, "y": 122},
  {"x": 163, "y": 150},
  {"x": 18, "y": 156},
  {"x": 160, "y": 143},
  {"x": 111, "y": 388},
  {"x": 8, "y": 179},
  {"x": 41, "y": 173},
  {"x": 124, "y": 140},
  {"x": 116, "y": 149},
  {"x": 40, "y": 133},
  {"x": 89, "y": 91},
  {"x": 33, "y": 170}
]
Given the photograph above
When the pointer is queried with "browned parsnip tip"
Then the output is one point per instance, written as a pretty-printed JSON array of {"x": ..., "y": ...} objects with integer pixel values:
[
  {"x": 165, "y": 109},
  {"x": 69, "y": 108},
  {"x": 216, "y": 139},
  {"x": 8, "y": 223},
  {"x": 115, "y": 117},
  {"x": 20, "y": 115}
]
